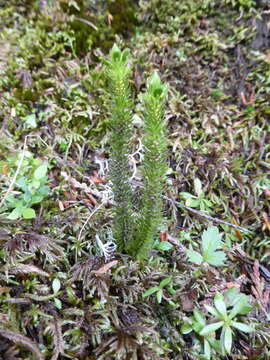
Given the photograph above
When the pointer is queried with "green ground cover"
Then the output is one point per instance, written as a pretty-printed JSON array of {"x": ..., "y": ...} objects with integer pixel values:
[{"x": 204, "y": 291}]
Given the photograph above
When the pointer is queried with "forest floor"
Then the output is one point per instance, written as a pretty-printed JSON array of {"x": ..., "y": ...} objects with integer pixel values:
[{"x": 59, "y": 297}]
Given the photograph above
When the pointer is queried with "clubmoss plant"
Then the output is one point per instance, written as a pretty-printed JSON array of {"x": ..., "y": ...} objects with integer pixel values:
[
  {"x": 154, "y": 168},
  {"x": 118, "y": 73},
  {"x": 136, "y": 238}
]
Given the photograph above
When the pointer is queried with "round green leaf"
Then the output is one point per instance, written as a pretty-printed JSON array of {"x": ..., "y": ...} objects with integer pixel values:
[
  {"x": 41, "y": 171},
  {"x": 28, "y": 213},
  {"x": 215, "y": 258},
  {"x": 164, "y": 246}
]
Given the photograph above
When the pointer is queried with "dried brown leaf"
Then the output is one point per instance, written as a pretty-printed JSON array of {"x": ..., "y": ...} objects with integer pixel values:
[
  {"x": 56, "y": 329},
  {"x": 96, "y": 179},
  {"x": 25, "y": 78},
  {"x": 32, "y": 242},
  {"x": 22, "y": 340},
  {"x": 188, "y": 300},
  {"x": 61, "y": 205},
  {"x": 11, "y": 353},
  {"x": 266, "y": 222},
  {"x": 28, "y": 268},
  {"x": 76, "y": 184},
  {"x": 18, "y": 301},
  {"x": 4, "y": 290},
  {"x": 261, "y": 295},
  {"x": 4, "y": 318},
  {"x": 106, "y": 267}
]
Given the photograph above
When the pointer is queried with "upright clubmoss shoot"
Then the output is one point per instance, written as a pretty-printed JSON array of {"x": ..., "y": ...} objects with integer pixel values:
[
  {"x": 118, "y": 72},
  {"x": 136, "y": 237},
  {"x": 154, "y": 168}
]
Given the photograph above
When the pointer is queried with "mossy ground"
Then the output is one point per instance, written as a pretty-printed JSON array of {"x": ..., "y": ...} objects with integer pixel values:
[{"x": 58, "y": 297}]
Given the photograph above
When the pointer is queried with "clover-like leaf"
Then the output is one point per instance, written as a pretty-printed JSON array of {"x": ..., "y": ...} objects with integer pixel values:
[
  {"x": 30, "y": 121},
  {"x": 211, "y": 240},
  {"x": 216, "y": 258},
  {"x": 41, "y": 171},
  {"x": 194, "y": 256}
]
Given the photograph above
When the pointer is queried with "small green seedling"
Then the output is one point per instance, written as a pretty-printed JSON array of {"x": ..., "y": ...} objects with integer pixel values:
[
  {"x": 197, "y": 201},
  {"x": 211, "y": 242},
  {"x": 30, "y": 189},
  {"x": 159, "y": 289},
  {"x": 196, "y": 323},
  {"x": 225, "y": 318},
  {"x": 224, "y": 313},
  {"x": 163, "y": 246}
]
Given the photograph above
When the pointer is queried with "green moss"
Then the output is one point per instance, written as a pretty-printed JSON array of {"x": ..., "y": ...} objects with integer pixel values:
[
  {"x": 213, "y": 137},
  {"x": 96, "y": 25},
  {"x": 124, "y": 16}
]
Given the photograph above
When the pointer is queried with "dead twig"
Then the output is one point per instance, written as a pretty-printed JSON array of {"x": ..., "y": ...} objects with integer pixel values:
[{"x": 208, "y": 217}]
